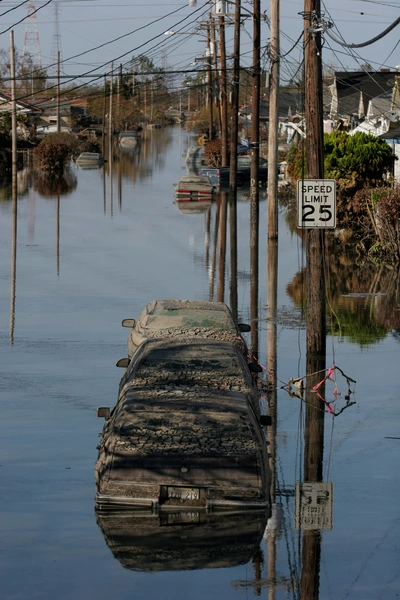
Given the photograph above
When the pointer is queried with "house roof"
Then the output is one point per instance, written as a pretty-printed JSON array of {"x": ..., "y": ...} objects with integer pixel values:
[
  {"x": 22, "y": 106},
  {"x": 290, "y": 103},
  {"x": 380, "y": 105},
  {"x": 392, "y": 134},
  {"x": 49, "y": 105},
  {"x": 371, "y": 84}
]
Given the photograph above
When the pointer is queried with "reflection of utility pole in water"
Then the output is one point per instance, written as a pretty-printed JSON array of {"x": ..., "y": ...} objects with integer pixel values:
[
  {"x": 214, "y": 256},
  {"x": 233, "y": 284},
  {"x": 104, "y": 191},
  {"x": 207, "y": 238},
  {"x": 272, "y": 293},
  {"x": 222, "y": 247},
  {"x": 119, "y": 184},
  {"x": 58, "y": 235},
  {"x": 254, "y": 288}
]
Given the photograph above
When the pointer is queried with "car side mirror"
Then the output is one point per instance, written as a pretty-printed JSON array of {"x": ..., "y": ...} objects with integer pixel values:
[
  {"x": 255, "y": 367},
  {"x": 104, "y": 412},
  {"x": 123, "y": 362},
  {"x": 129, "y": 323},
  {"x": 244, "y": 328}
]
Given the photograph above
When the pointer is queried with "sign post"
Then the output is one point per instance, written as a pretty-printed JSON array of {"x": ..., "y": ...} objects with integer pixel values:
[{"x": 316, "y": 203}]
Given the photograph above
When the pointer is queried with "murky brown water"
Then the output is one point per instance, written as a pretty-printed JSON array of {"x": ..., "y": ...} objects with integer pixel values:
[{"x": 98, "y": 253}]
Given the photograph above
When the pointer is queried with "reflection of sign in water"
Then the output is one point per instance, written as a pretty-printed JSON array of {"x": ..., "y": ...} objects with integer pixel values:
[{"x": 313, "y": 505}]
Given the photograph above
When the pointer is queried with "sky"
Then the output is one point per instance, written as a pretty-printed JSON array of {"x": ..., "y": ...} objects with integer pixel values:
[{"x": 92, "y": 34}]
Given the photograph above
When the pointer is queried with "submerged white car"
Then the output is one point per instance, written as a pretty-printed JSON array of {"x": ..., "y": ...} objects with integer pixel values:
[{"x": 188, "y": 318}]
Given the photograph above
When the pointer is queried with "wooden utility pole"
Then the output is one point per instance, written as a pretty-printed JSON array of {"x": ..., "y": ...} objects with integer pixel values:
[
  {"x": 235, "y": 100},
  {"x": 110, "y": 116},
  {"x": 58, "y": 94},
  {"x": 103, "y": 123},
  {"x": 273, "y": 121},
  {"x": 223, "y": 101},
  {"x": 315, "y": 241},
  {"x": 210, "y": 100},
  {"x": 119, "y": 92},
  {"x": 233, "y": 161},
  {"x": 214, "y": 93},
  {"x": 254, "y": 169},
  {"x": 315, "y": 292},
  {"x": 13, "y": 111}
]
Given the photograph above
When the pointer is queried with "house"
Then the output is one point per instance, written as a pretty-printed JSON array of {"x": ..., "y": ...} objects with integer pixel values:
[
  {"x": 351, "y": 93},
  {"x": 32, "y": 111},
  {"x": 22, "y": 108},
  {"x": 47, "y": 120}
]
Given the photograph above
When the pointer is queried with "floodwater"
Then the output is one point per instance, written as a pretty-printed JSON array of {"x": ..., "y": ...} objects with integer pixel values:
[{"x": 75, "y": 262}]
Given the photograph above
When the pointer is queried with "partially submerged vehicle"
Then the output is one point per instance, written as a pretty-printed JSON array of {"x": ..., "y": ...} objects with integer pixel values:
[
  {"x": 186, "y": 432},
  {"x": 128, "y": 139},
  {"x": 220, "y": 176},
  {"x": 89, "y": 160},
  {"x": 193, "y": 188},
  {"x": 189, "y": 318}
]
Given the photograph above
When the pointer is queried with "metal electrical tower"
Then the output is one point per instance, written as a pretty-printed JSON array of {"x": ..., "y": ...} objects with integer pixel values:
[
  {"x": 55, "y": 45},
  {"x": 31, "y": 40}
]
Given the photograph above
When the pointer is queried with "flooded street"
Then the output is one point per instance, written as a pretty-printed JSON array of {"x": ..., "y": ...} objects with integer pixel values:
[{"x": 86, "y": 256}]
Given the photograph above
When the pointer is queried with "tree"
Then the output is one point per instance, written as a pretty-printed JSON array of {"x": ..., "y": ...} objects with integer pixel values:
[
  {"x": 54, "y": 152},
  {"x": 354, "y": 161}
]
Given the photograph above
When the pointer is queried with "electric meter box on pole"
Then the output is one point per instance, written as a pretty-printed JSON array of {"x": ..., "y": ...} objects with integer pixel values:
[{"x": 316, "y": 203}]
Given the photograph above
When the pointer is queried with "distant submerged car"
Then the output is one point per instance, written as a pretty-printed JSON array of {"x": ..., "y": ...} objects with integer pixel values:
[
  {"x": 186, "y": 432},
  {"x": 193, "y": 188},
  {"x": 188, "y": 318},
  {"x": 128, "y": 139},
  {"x": 90, "y": 160}
]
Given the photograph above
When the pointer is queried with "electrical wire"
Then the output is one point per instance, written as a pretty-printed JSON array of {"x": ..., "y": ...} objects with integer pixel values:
[
  {"x": 369, "y": 42},
  {"x": 27, "y": 16},
  {"x": 14, "y": 8}
]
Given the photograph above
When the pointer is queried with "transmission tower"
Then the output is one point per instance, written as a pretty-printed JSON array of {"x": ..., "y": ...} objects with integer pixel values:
[
  {"x": 55, "y": 44},
  {"x": 31, "y": 39}
]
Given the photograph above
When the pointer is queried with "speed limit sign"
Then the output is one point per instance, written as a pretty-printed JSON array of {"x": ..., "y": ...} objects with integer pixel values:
[{"x": 316, "y": 203}]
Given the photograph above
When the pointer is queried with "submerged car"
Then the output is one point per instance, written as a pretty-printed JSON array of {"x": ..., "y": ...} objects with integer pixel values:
[
  {"x": 189, "y": 318},
  {"x": 128, "y": 139},
  {"x": 186, "y": 432},
  {"x": 193, "y": 188},
  {"x": 90, "y": 160}
]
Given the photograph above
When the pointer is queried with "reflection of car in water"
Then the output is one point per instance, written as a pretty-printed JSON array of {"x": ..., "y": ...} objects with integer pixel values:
[
  {"x": 188, "y": 318},
  {"x": 194, "y": 208},
  {"x": 195, "y": 159},
  {"x": 182, "y": 540},
  {"x": 185, "y": 432}
]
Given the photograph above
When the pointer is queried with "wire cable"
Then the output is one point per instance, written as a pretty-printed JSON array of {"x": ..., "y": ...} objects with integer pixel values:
[{"x": 369, "y": 42}]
